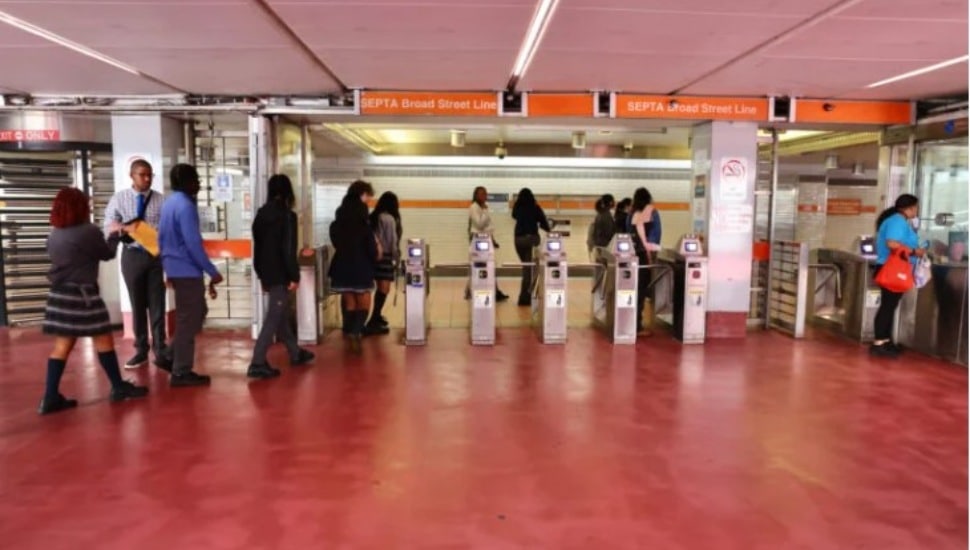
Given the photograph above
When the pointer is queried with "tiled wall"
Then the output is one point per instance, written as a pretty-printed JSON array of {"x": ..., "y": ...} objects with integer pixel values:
[{"x": 445, "y": 229}]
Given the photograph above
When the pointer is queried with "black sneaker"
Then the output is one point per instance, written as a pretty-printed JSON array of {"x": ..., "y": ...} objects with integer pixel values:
[
  {"x": 897, "y": 348},
  {"x": 262, "y": 371},
  {"x": 525, "y": 301},
  {"x": 164, "y": 363},
  {"x": 373, "y": 329},
  {"x": 139, "y": 360},
  {"x": 55, "y": 404},
  {"x": 381, "y": 320},
  {"x": 127, "y": 390},
  {"x": 190, "y": 378},
  {"x": 304, "y": 358},
  {"x": 883, "y": 350}
]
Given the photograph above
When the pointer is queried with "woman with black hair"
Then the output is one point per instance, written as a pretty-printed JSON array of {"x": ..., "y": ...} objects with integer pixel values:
[
  {"x": 356, "y": 253},
  {"x": 894, "y": 235},
  {"x": 480, "y": 221},
  {"x": 385, "y": 221},
  {"x": 645, "y": 230},
  {"x": 274, "y": 261},
  {"x": 603, "y": 228},
  {"x": 622, "y": 215},
  {"x": 529, "y": 218}
]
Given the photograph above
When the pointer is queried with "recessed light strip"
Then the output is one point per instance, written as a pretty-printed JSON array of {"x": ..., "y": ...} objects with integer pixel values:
[
  {"x": 61, "y": 41},
  {"x": 533, "y": 37},
  {"x": 918, "y": 72}
]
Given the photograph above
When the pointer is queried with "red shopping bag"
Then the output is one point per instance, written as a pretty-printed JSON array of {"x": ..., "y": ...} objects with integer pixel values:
[{"x": 896, "y": 274}]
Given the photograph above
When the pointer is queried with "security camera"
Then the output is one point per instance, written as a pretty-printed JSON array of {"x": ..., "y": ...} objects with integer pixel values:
[
  {"x": 628, "y": 146},
  {"x": 501, "y": 151}
]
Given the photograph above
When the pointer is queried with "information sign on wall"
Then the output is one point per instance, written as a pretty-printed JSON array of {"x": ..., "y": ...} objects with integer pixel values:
[
  {"x": 223, "y": 188},
  {"x": 429, "y": 103},
  {"x": 696, "y": 108},
  {"x": 734, "y": 179},
  {"x": 30, "y": 135}
]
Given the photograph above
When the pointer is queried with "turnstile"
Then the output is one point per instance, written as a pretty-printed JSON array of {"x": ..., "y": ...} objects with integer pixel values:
[
  {"x": 688, "y": 299},
  {"x": 549, "y": 294},
  {"x": 481, "y": 284},
  {"x": 615, "y": 290},
  {"x": 416, "y": 293}
]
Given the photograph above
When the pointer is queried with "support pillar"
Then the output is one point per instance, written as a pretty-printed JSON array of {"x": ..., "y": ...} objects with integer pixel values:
[
  {"x": 156, "y": 139},
  {"x": 724, "y": 169}
]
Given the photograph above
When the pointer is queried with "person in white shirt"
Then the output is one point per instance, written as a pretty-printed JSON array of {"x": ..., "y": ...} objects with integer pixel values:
[
  {"x": 141, "y": 270},
  {"x": 480, "y": 221}
]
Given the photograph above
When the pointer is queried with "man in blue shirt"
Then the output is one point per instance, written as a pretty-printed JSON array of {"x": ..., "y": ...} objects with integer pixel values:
[{"x": 185, "y": 262}]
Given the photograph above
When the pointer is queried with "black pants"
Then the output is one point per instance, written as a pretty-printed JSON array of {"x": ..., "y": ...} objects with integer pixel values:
[
  {"x": 643, "y": 286},
  {"x": 146, "y": 290},
  {"x": 190, "y": 312},
  {"x": 276, "y": 324},
  {"x": 886, "y": 314},
  {"x": 523, "y": 247}
]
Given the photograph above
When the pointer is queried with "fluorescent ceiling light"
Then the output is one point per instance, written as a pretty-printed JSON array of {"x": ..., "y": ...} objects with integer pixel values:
[
  {"x": 61, "y": 41},
  {"x": 545, "y": 162},
  {"x": 533, "y": 36},
  {"x": 918, "y": 72}
]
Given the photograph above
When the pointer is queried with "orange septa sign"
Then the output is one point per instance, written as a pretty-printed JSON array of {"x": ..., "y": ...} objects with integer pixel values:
[
  {"x": 695, "y": 108},
  {"x": 564, "y": 105},
  {"x": 429, "y": 103},
  {"x": 853, "y": 112}
]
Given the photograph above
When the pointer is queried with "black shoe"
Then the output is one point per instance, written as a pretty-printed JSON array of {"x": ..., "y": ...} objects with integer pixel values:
[
  {"x": 897, "y": 348},
  {"x": 304, "y": 358},
  {"x": 883, "y": 350},
  {"x": 127, "y": 390},
  {"x": 55, "y": 404},
  {"x": 262, "y": 371},
  {"x": 139, "y": 360},
  {"x": 383, "y": 321},
  {"x": 501, "y": 296},
  {"x": 374, "y": 329},
  {"x": 525, "y": 301},
  {"x": 190, "y": 378},
  {"x": 163, "y": 363}
]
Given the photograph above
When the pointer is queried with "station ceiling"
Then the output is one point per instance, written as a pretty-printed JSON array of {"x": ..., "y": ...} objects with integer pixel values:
[{"x": 809, "y": 48}]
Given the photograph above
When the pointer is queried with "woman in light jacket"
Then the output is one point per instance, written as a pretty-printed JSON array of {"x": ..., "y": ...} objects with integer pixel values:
[
  {"x": 480, "y": 221},
  {"x": 385, "y": 221}
]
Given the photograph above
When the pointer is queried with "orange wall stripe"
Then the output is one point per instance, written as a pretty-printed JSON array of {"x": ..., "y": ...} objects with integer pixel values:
[
  {"x": 853, "y": 112},
  {"x": 229, "y": 248},
  {"x": 543, "y": 105}
]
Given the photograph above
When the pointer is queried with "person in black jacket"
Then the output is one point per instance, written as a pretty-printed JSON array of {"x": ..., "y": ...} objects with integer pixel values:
[
  {"x": 356, "y": 253},
  {"x": 274, "y": 261},
  {"x": 529, "y": 218}
]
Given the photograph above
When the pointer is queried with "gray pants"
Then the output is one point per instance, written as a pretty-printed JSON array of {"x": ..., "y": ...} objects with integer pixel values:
[
  {"x": 276, "y": 324},
  {"x": 146, "y": 289},
  {"x": 190, "y": 312}
]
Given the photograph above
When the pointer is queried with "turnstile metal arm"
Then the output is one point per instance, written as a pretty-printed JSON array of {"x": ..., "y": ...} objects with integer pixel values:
[{"x": 835, "y": 272}]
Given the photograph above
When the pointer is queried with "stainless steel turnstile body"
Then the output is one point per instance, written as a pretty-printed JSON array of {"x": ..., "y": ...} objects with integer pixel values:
[
  {"x": 615, "y": 290},
  {"x": 416, "y": 293},
  {"x": 549, "y": 295},
  {"x": 481, "y": 283}
]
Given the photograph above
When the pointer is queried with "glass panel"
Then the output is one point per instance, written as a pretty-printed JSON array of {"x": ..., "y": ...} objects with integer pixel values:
[{"x": 942, "y": 187}]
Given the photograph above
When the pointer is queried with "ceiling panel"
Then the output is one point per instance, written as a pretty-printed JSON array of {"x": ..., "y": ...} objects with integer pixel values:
[
  {"x": 910, "y": 10},
  {"x": 947, "y": 81},
  {"x": 867, "y": 39},
  {"x": 760, "y": 8},
  {"x": 420, "y": 70},
  {"x": 656, "y": 73},
  {"x": 202, "y": 46}
]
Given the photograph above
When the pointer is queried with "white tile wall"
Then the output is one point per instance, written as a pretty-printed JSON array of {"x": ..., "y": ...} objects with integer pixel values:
[{"x": 445, "y": 229}]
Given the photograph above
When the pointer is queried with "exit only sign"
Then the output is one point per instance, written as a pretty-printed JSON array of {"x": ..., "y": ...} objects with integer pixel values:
[{"x": 30, "y": 135}]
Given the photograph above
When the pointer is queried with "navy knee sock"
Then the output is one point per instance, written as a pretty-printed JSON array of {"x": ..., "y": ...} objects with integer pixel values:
[
  {"x": 109, "y": 362},
  {"x": 379, "y": 299},
  {"x": 55, "y": 368}
]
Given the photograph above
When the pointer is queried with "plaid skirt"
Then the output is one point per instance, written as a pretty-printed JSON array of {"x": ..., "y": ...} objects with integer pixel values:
[
  {"x": 76, "y": 311},
  {"x": 384, "y": 270}
]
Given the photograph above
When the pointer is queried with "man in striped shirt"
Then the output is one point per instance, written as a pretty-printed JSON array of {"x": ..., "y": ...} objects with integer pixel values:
[{"x": 141, "y": 270}]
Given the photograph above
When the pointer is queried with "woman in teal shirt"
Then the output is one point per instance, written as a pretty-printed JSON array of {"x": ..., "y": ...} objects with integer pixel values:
[{"x": 894, "y": 232}]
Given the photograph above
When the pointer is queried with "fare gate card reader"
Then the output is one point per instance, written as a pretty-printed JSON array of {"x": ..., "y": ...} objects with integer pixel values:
[
  {"x": 690, "y": 245},
  {"x": 481, "y": 284},
  {"x": 416, "y": 293},
  {"x": 549, "y": 293}
]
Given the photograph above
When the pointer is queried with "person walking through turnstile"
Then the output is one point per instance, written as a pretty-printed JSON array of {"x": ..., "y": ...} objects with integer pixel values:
[
  {"x": 529, "y": 218},
  {"x": 603, "y": 228},
  {"x": 480, "y": 221},
  {"x": 356, "y": 253},
  {"x": 274, "y": 261},
  {"x": 385, "y": 221},
  {"x": 645, "y": 228}
]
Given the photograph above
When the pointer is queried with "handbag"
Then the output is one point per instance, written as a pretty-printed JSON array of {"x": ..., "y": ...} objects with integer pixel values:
[
  {"x": 896, "y": 275},
  {"x": 923, "y": 272}
]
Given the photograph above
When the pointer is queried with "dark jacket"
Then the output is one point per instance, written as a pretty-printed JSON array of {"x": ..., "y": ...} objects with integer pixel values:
[
  {"x": 528, "y": 219},
  {"x": 603, "y": 229},
  {"x": 76, "y": 253},
  {"x": 355, "y": 249},
  {"x": 274, "y": 245}
]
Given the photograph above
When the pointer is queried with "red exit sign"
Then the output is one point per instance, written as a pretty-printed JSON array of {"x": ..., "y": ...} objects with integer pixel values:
[{"x": 30, "y": 135}]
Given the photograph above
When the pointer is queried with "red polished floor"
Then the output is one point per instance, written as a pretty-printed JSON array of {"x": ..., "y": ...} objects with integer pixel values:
[{"x": 757, "y": 444}]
